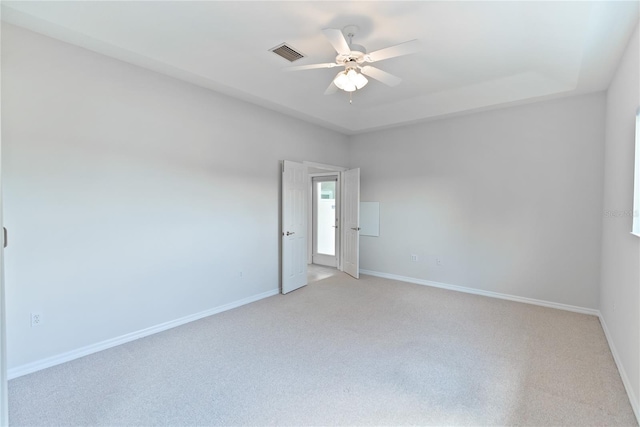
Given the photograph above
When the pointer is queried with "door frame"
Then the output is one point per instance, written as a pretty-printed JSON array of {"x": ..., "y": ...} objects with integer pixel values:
[
  {"x": 312, "y": 217},
  {"x": 330, "y": 170}
]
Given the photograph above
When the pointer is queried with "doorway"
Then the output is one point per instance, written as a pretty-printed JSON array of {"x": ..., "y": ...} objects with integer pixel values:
[
  {"x": 297, "y": 221},
  {"x": 325, "y": 214}
]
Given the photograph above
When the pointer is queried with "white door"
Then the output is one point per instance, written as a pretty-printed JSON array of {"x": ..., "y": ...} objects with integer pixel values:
[
  {"x": 294, "y": 226},
  {"x": 4, "y": 407},
  {"x": 351, "y": 223}
]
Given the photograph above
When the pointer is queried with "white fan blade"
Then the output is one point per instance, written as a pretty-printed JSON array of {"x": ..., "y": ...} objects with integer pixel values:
[
  {"x": 337, "y": 40},
  {"x": 331, "y": 89},
  {"x": 382, "y": 76},
  {"x": 311, "y": 66},
  {"x": 405, "y": 48}
]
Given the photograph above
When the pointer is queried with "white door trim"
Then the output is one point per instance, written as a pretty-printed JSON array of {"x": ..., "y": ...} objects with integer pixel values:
[{"x": 323, "y": 166}]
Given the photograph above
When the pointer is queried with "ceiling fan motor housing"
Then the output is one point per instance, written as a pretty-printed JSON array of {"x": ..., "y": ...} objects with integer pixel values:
[
  {"x": 354, "y": 57},
  {"x": 357, "y": 54}
]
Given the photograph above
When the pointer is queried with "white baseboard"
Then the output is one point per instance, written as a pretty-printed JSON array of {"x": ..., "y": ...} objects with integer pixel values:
[
  {"x": 491, "y": 294},
  {"x": 103, "y": 345},
  {"x": 84, "y": 351},
  {"x": 623, "y": 374}
]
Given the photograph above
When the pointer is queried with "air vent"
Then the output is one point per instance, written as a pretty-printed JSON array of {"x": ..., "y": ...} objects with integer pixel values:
[{"x": 287, "y": 52}]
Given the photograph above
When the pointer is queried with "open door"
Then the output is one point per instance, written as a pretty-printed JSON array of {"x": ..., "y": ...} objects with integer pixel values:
[
  {"x": 294, "y": 226},
  {"x": 4, "y": 397},
  {"x": 4, "y": 393},
  {"x": 351, "y": 222}
]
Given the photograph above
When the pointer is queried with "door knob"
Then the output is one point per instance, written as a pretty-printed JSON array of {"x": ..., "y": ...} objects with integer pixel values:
[
  {"x": 290, "y": 233},
  {"x": 355, "y": 228}
]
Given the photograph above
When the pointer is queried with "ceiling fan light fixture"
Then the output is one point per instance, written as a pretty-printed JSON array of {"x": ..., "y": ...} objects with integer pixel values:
[
  {"x": 358, "y": 79},
  {"x": 355, "y": 59},
  {"x": 342, "y": 81},
  {"x": 350, "y": 80},
  {"x": 350, "y": 87}
]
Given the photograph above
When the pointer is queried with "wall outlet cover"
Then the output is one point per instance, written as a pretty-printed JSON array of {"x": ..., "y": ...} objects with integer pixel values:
[{"x": 36, "y": 319}]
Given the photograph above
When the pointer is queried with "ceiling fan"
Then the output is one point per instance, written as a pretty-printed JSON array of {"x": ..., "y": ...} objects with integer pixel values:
[{"x": 354, "y": 58}]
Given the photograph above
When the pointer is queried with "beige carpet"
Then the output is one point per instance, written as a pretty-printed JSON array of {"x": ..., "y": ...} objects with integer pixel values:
[{"x": 348, "y": 352}]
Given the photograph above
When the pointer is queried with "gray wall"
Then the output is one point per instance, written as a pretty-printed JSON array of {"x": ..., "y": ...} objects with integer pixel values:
[
  {"x": 510, "y": 200},
  {"x": 620, "y": 284},
  {"x": 132, "y": 198}
]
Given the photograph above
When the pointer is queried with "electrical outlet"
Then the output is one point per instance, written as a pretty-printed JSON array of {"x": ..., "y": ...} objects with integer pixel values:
[
  {"x": 36, "y": 319},
  {"x": 414, "y": 258}
]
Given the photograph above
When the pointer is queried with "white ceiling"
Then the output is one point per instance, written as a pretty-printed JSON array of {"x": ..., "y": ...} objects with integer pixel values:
[{"x": 474, "y": 55}]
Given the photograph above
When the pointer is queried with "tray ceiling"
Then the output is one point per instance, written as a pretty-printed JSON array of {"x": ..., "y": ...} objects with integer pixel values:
[{"x": 474, "y": 55}]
